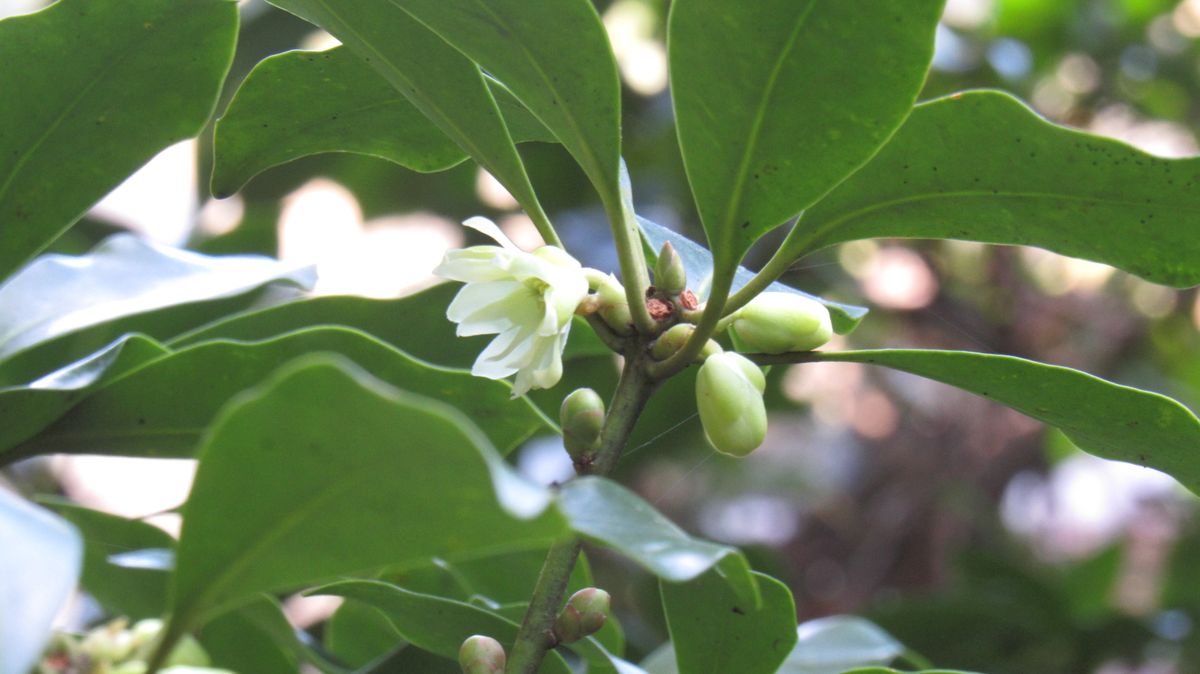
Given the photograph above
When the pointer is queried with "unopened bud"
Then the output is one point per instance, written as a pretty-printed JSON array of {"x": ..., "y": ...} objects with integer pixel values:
[
  {"x": 614, "y": 306},
  {"x": 669, "y": 274},
  {"x": 583, "y": 615},
  {"x": 481, "y": 655},
  {"x": 729, "y": 398},
  {"x": 782, "y": 322},
  {"x": 582, "y": 418},
  {"x": 673, "y": 340},
  {"x": 108, "y": 643}
]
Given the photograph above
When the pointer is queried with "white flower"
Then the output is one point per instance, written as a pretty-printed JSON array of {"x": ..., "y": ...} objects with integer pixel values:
[{"x": 526, "y": 299}]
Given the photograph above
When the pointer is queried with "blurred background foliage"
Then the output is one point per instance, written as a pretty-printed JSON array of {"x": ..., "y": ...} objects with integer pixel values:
[{"x": 974, "y": 535}]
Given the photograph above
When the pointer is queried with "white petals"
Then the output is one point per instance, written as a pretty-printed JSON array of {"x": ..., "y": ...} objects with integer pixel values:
[{"x": 526, "y": 299}]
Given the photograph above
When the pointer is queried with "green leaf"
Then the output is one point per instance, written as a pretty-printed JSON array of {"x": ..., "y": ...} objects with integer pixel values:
[
  {"x": 438, "y": 80},
  {"x": 123, "y": 277},
  {"x": 103, "y": 86},
  {"x": 983, "y": 167},
  {"x": 714, "y": 631},
  {"x": 698, "y": 262},
  {"x": 26, "y": 410},
  {"x": 338, "y": 445},
  {"x": 435, "y": 342},
  {"x": 301, "y": 103},
  {"x": 131, "y": 592},
  {"x": 555, "y": 56},
  {"x": 777, "y": 101},
  {"x": 359, "y": 634},
  {"x": 247, "y": 640},
  {"x": 132, "y": 417},
  {"x": 834, "y": 644},
  {"x": 435, "y": 624},
  {"x": 606, "y": 513},
  {"x": 38, "y": 572},
  {"x": 888, "y": 670},
  {"x": 1106, "y": 419}
]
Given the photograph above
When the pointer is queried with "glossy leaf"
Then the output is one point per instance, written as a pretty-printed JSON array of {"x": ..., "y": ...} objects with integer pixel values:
[
  {"x": 698, "y": 262},
  {"x": 301, "y": 103},
  {"x": 834, "y": 644},
  {"x": 606, "y": 513},
  {"x": 25, "y": 410},
  {"x": 388, "y": 320},
  {"x": 1106, "y": 419},
  {"x": 555, "y": 56},
  {"x": 131, "y": 592},
  {"x": 103, "y": 86},
  {"x": 125, "y": 275},
  {"x": 337, "y": 443},
  {"x": 436, "y": 78},
  {"x": 714, "y": 631},
  {"x": 132, "y": 416},
  {"x": 777, "y": 101},
  {"x": 435, "y": 624},
  {"x": 38, "y": 572},
  {"x": 983, "y": 167}
]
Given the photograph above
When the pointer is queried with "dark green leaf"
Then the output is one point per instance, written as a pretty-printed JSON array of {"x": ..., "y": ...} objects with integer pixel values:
[
  {"x": 887, "y": 670},
  {"x": 249, "y": 638},
  {"x": 38, "y": 572},
  {"x": 103, "y": 85},
  {"x": 133, "y": 593},
  {"x": 436, "y": 78},
  {"x": 555, "y": 56},
  {"x": 435, "y": 624},
  {"x": 361, "y": 475},
  {"x": 608, "y": 514},
  {"x": 714, "y": 631},
  {"x": 1100, "y": 417},
  {"x": 777, "y": 101},
  {"x": 983, "y": 167},
  {"x": 834, "y": 644},
  {"x": 132, "y": 416},
  {"x": 699, "y": 264},
  {"x": 125, "y": 276},
  {"x": 359, "y": 634},
  {"x": 301, "y": 103},
  {"x": 25, "y": 410}
]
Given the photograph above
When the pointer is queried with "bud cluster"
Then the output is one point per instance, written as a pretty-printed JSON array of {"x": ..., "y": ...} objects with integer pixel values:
[{"x": 118, "y": 648}]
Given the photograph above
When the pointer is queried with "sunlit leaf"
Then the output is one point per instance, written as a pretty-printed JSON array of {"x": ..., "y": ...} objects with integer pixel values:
[
  {"x": 983, "y": 167},
  {"x": 96, "y": 89}
]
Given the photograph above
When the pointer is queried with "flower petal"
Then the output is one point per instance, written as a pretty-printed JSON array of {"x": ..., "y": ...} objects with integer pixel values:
[{"x": 489, "y": 228}]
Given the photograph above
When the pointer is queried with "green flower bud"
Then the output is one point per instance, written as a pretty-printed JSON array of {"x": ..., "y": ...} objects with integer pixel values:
[
  {"x": 614, "y": 306},
  {"x": 108, "y": 643},
  {"x": 782, "y": 322},
  {"x": 188, "y": 653},
  {"x": 729, "y": 397},
  {"x": 583, "y": 615},
  {"x": 669, "y": 274},
  {"x": 481, "y": 655},
  {"x": 673, "y": 340},
  {"x": 582, "y": 417}
]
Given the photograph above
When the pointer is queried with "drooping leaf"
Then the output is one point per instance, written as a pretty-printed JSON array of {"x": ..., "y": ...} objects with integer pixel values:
[
  {"x": 555, "y": 56},
  {"x": 124, "y": 276},
  {"x": 834, "y": 644},
  {"x": 389, "y": 320},
  {"x": 607, "y": 514},
  {"x": 714, "y": 631},
  {"x": 1106, "y": 419},
  {"x": 435, "y": 624},
  {"x": 325, "y": 470},
  {"x": 436, "y": 78},
  {"x": 27, "y": 409},
  {"x": 102, "y": 86},
  {"x": 983, "y": 167},
  {"x": 38, "y": 572},
  {"x": 699, "y": 264},
  {"x": 777, "y": 101},
  {"x": 130, "y": 592},
  {"x": 133, "y": 416},
  {"x": 301, "y": 103}
]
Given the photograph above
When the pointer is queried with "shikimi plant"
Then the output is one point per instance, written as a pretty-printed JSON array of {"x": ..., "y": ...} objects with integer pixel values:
[{"x": 335, "y": 458}]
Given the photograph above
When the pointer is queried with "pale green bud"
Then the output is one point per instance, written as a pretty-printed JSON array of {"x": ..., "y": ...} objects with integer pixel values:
[
  {"x": 782, "y": 322},
  {"x": 669, "y": 274},
  {"x": 673, "y": 340},
  {"x": 582, "y": 418},
  {"x": 729, "y": 398},
  {"x": 108, "y": 643},
  {"x": 583, "y": 615},
  {"x": 188, "y": 653},
  {"x": 481, "y": 655},
  {"x": 614, "y": 306}
]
